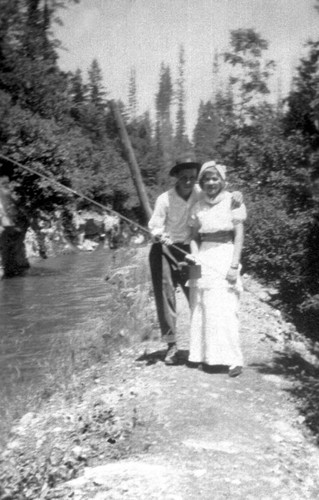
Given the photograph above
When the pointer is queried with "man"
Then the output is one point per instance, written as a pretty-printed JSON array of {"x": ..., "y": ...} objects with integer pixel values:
[{"x": 168, "y": 225}]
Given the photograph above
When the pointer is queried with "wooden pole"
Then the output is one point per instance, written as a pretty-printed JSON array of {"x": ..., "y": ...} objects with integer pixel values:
[{"x": 135, "y": 171}]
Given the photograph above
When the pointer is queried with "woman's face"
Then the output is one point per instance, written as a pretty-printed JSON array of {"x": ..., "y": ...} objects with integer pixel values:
[{"x": 212, "y": 183}]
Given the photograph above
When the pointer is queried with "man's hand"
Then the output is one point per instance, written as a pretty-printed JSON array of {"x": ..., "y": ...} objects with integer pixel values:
[
  {"x": 164, "y": 239},
  {"x": 236, "y": 199}
]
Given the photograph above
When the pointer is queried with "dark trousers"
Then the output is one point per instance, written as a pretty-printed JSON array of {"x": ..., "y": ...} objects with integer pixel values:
[{"x": 165, "y": 278}]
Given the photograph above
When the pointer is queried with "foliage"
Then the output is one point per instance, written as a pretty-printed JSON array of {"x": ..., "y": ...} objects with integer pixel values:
[
  {"x": 269, "y": 251},
  {"x": 268, "y": 157},
  {"x": 228, "y": 128},
  {"x": 303, "y": 100},
  {"x": 249, "y": 70},
  {"x": 54, "y": 122},
  {"x": 35, "y": 141},
  {"x": 96, "y": 92},
  {"x": 215, "y": 130},
  {"x": 281, "y": 248}
]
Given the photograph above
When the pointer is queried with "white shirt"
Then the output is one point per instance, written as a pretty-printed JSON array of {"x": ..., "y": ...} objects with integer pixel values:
[{"x": 171, "y": 214}]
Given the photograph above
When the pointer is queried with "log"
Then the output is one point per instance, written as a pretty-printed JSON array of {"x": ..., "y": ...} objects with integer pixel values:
[{"x": 134, "y": 168}]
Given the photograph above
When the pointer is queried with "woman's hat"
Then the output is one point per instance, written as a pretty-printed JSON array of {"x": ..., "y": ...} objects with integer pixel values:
[
  {"x": 184, "y": 161},
  {"x": 221, "y": 169}
]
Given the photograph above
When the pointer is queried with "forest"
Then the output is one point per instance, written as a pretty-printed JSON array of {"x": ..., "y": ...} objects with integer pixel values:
[{"x": 60, "y": 124}]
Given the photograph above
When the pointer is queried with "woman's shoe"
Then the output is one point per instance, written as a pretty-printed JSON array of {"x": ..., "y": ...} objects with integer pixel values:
[{"x": 234, "y": 371}]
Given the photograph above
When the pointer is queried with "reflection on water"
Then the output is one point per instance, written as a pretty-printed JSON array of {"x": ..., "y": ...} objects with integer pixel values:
[{"x": 39, "y": 309}]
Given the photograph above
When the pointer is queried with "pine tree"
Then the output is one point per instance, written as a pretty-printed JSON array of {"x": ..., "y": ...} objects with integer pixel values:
[
  {"x": 96, "y": 91},
  {"x": 181, "y": 140},
  {"x": 77, "y": 87},
  {"x": 206, "y": 132},
  {"x": 215, "y": 76},
  {"x": 250, "y": 74},
  {"x": 164, "y": 129},
  {"x": 132, "y": 94},
  {"x": 78, "y": 94},
  {"x": 303, "y": 99}
]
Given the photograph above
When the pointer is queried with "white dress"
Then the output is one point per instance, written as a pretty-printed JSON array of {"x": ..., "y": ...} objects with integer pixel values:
[{"x": 214, "y": 337}]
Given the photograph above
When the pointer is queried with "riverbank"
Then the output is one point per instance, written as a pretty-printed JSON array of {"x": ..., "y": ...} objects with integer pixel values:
[
  {"x": 62, "y": 317},
  {"x": 130, "y": 427}
]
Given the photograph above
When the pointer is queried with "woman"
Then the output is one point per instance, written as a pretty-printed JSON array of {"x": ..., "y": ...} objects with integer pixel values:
[{"x": 217, "y": 241}]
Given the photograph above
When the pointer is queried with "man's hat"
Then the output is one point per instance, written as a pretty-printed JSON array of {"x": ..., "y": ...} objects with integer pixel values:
[{"x": 184, "y": 161}]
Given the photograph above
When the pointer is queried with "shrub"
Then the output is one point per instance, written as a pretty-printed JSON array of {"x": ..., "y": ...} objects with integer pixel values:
[{"x": 277, "y": 248}]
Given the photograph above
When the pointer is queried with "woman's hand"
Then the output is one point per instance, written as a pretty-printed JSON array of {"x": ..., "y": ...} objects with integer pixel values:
[
  {"x": 236, "y": 199},
  {"x": 231, "y": 276},
  {"x": 191, "y": 259}
]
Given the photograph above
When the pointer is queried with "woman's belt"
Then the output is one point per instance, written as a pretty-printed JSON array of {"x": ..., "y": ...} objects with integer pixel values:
[{"x": 218, "y": 237}]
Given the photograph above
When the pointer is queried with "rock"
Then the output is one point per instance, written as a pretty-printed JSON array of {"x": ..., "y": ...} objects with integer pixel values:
[
  {"x": 13, "y": 445},
  {"x": 127, "y": 471},
  {"x": 219, "y": 446},
  {"x": 279, "y": 381},
  {"x": 56, "y": 456},
  {"x": 77, "y": 451},
  {"x": 200, "y": 472},
  {"x": 27, "y": 418},
  {"x": 263, "y": 295}
]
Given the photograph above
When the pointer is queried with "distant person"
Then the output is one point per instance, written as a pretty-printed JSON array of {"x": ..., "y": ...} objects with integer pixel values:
[
  {"x": 169, "y": 226},
  {"x": 217, "y": 235},
  {"x": 79, "y": 224}
]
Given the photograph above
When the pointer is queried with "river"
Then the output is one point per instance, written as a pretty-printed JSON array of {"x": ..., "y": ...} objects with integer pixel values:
[{"x": 38, "y": 312}]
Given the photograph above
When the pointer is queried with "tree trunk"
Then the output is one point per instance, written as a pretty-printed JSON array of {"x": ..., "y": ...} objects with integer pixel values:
[{"x": 135, "y": 171}]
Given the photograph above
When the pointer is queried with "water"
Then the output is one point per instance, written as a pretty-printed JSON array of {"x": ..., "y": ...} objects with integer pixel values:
[{"x": 38, "y": 312}]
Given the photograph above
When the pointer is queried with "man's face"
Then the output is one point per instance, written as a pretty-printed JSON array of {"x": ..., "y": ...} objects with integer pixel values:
[{"x": 186, "y": 180}]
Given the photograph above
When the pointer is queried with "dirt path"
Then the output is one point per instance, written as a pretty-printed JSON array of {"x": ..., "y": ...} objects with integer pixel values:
[{"x": 201, "y": 435}]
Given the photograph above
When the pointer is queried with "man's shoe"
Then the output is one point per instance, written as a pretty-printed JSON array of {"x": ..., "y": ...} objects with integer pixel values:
[
  {"x": 234, "y": 371},
  {"x": 171, "y": 355}
]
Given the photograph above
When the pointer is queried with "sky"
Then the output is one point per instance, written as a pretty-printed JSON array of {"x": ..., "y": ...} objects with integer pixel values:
[{"x": 122, "y": 34}]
